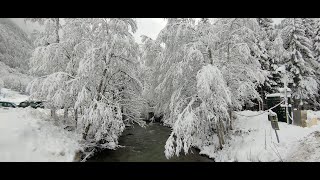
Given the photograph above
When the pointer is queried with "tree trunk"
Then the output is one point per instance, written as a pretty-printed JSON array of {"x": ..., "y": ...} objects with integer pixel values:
[
  {"x": 219, "y": 136},
  {"x": 296, "y": 103},
  {"x": 262, "y": 99},
  {"x": 230, "y": 115},
  {"x": 76, "y": 116},
  {"x": 219, "y": 127},
  {"x": 223, "y": 131},
  {"x": 57, "y": 30},
  {"x": 54, "y": 114},
  {"x": 84, "y": 135},
  {"x": 65, "y": 114}
]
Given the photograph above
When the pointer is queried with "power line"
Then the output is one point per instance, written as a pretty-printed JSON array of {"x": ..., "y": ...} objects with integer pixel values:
[{"x": 263, "y": 111}]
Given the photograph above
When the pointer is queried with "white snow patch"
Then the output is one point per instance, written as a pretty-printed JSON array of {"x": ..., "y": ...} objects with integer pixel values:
[{"x": 281, "y": 69}]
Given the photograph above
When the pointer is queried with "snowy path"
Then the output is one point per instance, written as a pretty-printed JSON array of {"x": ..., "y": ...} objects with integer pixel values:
[{"x": 308, "y": 149}]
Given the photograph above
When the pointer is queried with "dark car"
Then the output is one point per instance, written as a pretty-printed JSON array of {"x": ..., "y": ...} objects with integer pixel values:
[
  {"x": 24, "y": 104},
  {"x": 33, "y": 104},
  {"x": 7, "y": 104},
  {"x": 38, "y": 104}
]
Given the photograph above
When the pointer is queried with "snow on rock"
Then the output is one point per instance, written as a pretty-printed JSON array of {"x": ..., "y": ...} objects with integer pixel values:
[
  {"x": 12, "y": 96},
  {"x": 28, "y": 135},
  {"x": 253, "y": 139}
]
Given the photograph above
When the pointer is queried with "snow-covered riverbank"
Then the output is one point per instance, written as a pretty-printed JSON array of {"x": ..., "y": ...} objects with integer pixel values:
[{"x": 253, "y": 139}]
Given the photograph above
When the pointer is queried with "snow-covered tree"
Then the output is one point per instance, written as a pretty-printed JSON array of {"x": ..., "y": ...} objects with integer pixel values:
[
  {"x": 265, "y": 38},
  {"x": 48, "y": 59},
  {"x": 309, "y": 24},
  {"x": 316, "y": 51},
  {"x": 316, "y": 44},
  {"x": 200, "y": 121},
  {"x": 302, "y": 66},
  {"x": 150, "y": 57},
  {"x": 278, "y": 57},
  {"x": 237, "y": 52},
  {"x": 267, "y": 25},
  {"x": 203, "y": 70},
  {"x": 98, "y": 77},
  {"x": 191, "y": 92},
  {"x": 177, "y": 66},
  {"x": 51, "y": 32},
  {"x": 275, "y": 55}
]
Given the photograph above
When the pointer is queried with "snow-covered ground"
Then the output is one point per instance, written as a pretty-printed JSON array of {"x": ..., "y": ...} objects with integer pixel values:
[
  {"x": 28, "y": 134},
  {"x": 253, "y": 139},
  {"x": 12, "y": 96}
]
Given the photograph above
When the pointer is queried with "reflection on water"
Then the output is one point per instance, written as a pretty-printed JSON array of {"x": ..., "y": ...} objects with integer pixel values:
[{"x": 145, "y": 145}]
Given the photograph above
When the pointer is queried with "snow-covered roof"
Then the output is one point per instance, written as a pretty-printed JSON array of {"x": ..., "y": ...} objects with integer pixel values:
[
  {"x": 280, "y": 93},
  {"x": 282, "y": 90},
  {"x": 274, "y": 95},
  {"x": 277, "y": 95}
]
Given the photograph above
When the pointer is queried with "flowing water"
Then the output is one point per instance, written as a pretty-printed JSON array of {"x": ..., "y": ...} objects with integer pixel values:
[{"x": 145, "y": 145}]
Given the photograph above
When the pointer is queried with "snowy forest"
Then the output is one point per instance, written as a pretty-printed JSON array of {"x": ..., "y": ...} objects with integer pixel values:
[{"x": 195, "y": 78}]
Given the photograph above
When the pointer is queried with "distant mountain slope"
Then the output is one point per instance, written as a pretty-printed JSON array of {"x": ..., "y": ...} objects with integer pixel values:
[
  {"x": 15, "y": 51},
  {"x": 15, "y": 47}
]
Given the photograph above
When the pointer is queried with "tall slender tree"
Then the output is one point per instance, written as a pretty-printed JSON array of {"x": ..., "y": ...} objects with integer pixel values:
[{"x": 302, "y": 67}]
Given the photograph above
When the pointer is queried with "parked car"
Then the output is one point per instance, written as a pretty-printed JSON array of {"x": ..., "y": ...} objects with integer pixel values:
[
  {"x": 38, "y": 104},
  {"x": 7, "y": 104},
  {"x": 24, "y": 104},
  {"x": 33, "y": 104}
]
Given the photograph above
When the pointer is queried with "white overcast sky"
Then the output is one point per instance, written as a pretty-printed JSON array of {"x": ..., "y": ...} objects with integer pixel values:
[{"x": 146, "y": 26}]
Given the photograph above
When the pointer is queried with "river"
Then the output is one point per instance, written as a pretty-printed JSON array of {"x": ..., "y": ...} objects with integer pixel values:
[{"x": 145, "y": 145}]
